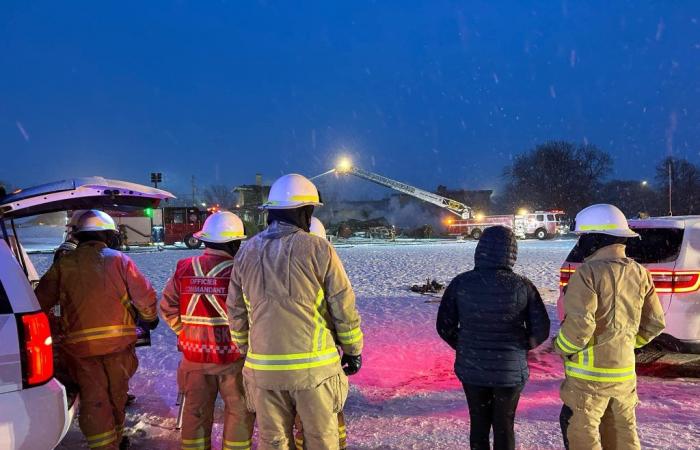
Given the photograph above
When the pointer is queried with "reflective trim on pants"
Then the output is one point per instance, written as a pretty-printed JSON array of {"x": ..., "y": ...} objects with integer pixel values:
[
  {"x": 102, "y": 439},
  {"x": 237, "y": 445},
  {"x": 203, "y": 443}
]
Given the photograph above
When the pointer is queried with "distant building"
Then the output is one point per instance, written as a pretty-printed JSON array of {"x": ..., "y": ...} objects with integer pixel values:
[{"x": 250, "y": 198}]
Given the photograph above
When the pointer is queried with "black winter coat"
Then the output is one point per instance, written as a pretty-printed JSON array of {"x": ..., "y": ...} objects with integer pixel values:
[{"x": 492, "y": 316}]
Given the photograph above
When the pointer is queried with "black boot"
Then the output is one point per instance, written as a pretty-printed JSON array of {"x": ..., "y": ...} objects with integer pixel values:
[{"x": 125, "y": 443}]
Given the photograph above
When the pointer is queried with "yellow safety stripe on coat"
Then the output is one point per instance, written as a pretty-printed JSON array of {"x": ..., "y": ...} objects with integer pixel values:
[
  {"x": 91, "y": 334},
  {"x": 599, "y": 374},
  {"x": 350, "y": 337},
  {"x": 295, "y": 361},
  {"x": 320, "y": 324},
  {"x": 601, "y": 226},
  {"x": 299, "y": 443},
  {"x": 177, "y": 328},
  {"x": 200, "y": 320},
  {"x": 586, "y": 357},
  {"x": 237, "y": 445},
  {"x": 203, "y": 443},
  {"x": 102, "y": 439},
  {"x": 239, "y": 338},
  {"x": 640, "y": 342},
  {"x": 565, "y": 345}
]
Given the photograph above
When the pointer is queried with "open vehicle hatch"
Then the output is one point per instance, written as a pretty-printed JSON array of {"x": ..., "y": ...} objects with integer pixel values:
[{"x": 79, "y": 193}]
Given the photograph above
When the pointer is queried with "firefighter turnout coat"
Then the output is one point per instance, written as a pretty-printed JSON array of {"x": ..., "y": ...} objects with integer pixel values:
[
  {"x": 99, "y": 291},
  {"x": 610, "y": 308},
  {"x": 289, "y": 302}
]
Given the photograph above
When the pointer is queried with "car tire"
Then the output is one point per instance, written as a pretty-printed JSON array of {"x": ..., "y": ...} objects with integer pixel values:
[
  {"x": 476, "y": 234},
  {"x": 541, "y": 234},
  {"x": 192, "y": 242}
]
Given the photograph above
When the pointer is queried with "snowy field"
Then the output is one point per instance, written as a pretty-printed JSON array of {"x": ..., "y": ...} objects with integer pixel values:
[{"x": 406, "y": 395}]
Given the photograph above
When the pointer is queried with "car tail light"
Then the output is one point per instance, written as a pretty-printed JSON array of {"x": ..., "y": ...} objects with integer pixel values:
[
  {"x": 37, "y": 348},
  {"x": 564, "y": 275},
  {"x": 668, "y": 281}
]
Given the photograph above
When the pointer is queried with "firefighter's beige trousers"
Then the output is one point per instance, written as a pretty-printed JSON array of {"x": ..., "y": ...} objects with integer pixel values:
[
  {"x": 201, "y": 389},
  {"x": 342, "y": 433},
  {"x": 103, "y": 382},
  {"x": 317, "y": 408},
  {"x": 601, "y": 422}
]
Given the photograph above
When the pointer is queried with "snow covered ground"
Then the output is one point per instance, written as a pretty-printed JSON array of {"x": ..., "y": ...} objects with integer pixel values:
[{"x": 406, "y": 396}]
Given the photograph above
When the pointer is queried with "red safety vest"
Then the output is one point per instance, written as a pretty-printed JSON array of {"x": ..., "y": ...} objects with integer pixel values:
[{"x": 205, "y": 335}]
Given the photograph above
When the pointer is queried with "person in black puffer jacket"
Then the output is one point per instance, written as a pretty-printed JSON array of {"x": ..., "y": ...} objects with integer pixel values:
[{"x": 492, "y": 317}]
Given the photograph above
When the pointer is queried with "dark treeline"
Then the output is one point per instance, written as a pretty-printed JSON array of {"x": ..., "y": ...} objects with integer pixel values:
[{"x": 568, "y": 176}]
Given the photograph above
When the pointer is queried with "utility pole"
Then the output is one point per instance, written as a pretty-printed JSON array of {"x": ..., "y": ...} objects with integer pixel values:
[
  {"x": 670, "y": 186},
  {"x": 194, "y": 192}
]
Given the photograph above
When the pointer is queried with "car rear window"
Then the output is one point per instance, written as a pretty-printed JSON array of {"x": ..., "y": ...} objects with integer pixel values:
[
  {"x": 657, "y": 245},
  {"x": 5, "y": 307}
]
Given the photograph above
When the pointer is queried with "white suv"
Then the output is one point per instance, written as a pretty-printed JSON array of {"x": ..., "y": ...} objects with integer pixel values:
[
  {"x": 34, "y": 409},
  {"x": 670, "y": 248}
]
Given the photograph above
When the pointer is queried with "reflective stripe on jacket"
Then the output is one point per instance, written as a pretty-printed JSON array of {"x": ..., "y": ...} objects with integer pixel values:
[
  {"x": 291, "y": 302},
  {"x": 194, "y": 306},
  {"x": 99, "y": 291},
  {"x": 610, "y": 307}
]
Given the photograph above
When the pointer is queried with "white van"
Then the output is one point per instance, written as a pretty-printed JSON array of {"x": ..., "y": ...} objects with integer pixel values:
[{"x": 35, "y": 411}]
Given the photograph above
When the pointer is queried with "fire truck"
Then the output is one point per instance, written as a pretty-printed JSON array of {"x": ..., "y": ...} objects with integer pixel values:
[
  {"x": 167, "y": 225},
  {"x": 538, "y": 224}
]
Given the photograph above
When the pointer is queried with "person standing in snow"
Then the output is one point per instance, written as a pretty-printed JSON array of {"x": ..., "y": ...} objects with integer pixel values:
[
  {"x": 492, "y": 317},
  {"x": 317, "y": 229},
  {"x": 610, "y": 308},
  {"x": 290, "y": 300},
  {"x": 194, "y": 306},
  {"x": 100, "y": 291}
]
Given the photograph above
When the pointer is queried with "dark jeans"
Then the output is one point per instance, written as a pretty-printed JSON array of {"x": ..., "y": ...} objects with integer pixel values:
[{"x": 492, "y": 407}]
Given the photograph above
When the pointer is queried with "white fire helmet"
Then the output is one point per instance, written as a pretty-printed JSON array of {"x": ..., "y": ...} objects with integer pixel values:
[
  {"x": 292, "y": 191},
  {"x": 603, "y": 219},
  {"x": 317, "y": 228},
  {"x": 95, "y": 220},
  {"x": 221, "y": 227},
  {"x": 72, "y": 223}
]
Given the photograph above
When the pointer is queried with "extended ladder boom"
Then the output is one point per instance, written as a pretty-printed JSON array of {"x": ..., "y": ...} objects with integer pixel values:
[{"x": 455, "y": 207}]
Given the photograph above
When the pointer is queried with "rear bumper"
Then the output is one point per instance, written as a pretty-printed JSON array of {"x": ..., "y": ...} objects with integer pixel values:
[
  {"x": 683, "y": 318},
  {"x": 35, "y": 418}
]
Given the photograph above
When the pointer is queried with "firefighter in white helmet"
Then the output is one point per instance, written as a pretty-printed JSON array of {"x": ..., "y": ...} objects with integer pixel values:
[
  {"x": 100, "y": 292},
  {"x": 289, "y": 303},
  {"x": 317, "y": 229},
  {"x": 610, "y": 308},
  {"x": 194, "y": 306}
]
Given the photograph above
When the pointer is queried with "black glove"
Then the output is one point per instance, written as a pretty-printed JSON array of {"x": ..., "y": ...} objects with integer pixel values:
[
  {"x": 351, "y": 364},
  {"x": 151, "y": 325}
]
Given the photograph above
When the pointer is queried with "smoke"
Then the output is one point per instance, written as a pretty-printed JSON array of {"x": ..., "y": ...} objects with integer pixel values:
[{"x": 411, "y": 214}]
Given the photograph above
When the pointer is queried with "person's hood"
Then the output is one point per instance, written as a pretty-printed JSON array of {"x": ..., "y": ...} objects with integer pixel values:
[
  {"x": 497, "y": 249},
  {"x": 278, "y": 229}
]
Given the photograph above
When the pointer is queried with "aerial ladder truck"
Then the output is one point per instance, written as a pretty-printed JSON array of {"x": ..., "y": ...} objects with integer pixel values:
[
  {"x": 540, "y": 224},
  {"x": 459, "y": 209}
]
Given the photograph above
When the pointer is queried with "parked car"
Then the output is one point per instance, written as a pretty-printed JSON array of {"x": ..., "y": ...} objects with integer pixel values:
[
  {"x": 35, "y": 410},
  {"x": 670, "y": 249}
]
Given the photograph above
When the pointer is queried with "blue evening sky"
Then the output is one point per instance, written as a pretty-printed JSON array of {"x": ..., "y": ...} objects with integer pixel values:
[{"x": 428, "y": 92}]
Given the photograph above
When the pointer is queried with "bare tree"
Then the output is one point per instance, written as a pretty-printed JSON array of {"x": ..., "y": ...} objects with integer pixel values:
[
  {"x": 220, "y": 194},
  {"x": 556, "y": 174}
]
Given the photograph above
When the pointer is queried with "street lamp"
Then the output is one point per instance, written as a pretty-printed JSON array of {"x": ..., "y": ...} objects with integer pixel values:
[{"x": 644, "y": 183}]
